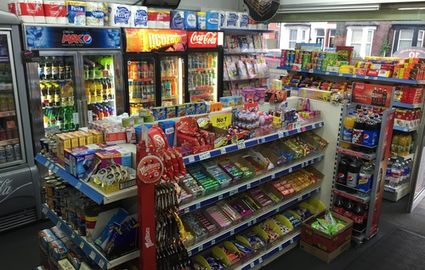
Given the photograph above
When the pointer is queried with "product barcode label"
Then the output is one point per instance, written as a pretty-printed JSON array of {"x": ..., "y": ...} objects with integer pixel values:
[{"x": 205, "y": 155}]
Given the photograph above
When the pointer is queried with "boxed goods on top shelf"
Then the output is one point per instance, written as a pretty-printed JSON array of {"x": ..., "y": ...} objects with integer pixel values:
[
  {"x": 89, "y": 13},
  {"x": 409, "y": 69},
  {"x": 409, "y": 95}
]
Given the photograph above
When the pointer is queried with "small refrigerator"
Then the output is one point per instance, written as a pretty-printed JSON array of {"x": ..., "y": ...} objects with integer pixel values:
[
  {"x": 19, "y": 185},
  {"x": 77, "y": 78},
  {"x": 205, "y": 72},
  {"x": 155, "y": 70}
]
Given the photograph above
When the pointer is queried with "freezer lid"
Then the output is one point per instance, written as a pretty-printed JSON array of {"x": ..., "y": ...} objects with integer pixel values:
[{"x": 8, "y": 18}]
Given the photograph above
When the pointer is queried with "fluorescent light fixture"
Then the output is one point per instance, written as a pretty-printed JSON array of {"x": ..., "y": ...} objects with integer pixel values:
[
  {"x": 317, "y": 9},
  {"x": 411, "y": 8}
]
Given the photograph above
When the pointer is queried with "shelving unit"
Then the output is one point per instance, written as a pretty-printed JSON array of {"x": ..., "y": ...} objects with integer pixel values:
[
  {"x": 86, "y": 188},
  {"x": 246, "y": 223},
  {"x": 243, "y": 144},
  {"x": 87, "y": 247}
]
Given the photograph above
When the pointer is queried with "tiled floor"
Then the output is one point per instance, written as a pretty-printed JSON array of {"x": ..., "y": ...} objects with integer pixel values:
[{"x": 19, "y": 248}]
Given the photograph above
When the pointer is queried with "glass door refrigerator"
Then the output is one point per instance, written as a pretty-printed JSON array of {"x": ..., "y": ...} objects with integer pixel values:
[
  {"x": 76, "y": 79},
  {"x": 19, "y": 188},
  {"x": 172, "y": 77},
  {"x": 155, "y": 70},
  {"x": 205, "y": 62}
]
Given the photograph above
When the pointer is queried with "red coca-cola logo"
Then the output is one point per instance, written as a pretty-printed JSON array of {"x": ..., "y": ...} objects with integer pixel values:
[{"x": 203, "y": 39}]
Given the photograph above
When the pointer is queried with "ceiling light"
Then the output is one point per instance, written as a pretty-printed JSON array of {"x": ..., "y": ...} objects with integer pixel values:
[{"x": 411, "y": 8}]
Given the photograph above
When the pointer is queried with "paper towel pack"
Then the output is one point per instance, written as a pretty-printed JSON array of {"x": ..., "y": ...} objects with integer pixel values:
[
  {"x": 76, "y": 12},
  {"x": 95, "y": 14},
  {"x": 119, "y": 15},
  {"x": 55, "y": 11},
  {"x": 139, "y": 16}
]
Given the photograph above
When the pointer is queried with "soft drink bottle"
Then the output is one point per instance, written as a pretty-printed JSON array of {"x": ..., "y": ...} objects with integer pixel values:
[
  {"x": 342, "y": 172},
  {"x": 365, "y": 177},
  {"x": 353, "y": 173}
]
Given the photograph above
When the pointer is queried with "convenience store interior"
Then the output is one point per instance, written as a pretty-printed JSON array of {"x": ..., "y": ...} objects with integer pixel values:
[{"x": 270, "y": 161}]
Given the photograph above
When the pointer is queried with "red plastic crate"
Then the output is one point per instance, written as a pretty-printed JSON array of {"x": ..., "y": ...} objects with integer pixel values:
[{"x": 323, "y": 241}]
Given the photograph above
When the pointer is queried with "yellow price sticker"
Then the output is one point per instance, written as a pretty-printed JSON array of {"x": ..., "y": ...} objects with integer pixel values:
[{"x": 222, "y": 120}]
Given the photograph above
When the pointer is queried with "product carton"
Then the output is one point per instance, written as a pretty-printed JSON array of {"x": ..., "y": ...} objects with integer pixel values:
[
  {"x": 243, "y": 20},
  {"x": 28, "y": 10},
  {"x": 79, "y": 160},
  {"x": 139, "y": 16},
  {"x": 232, "y": 19},
  {"x": 201, "y": 22},
  {"x": 190, "y": 20},
  {"x": 212, "y": 20},
  {"x": 114, "y": 155},
  {"x": 55, "y": 11},
  {"x": 119, "y": 15}
]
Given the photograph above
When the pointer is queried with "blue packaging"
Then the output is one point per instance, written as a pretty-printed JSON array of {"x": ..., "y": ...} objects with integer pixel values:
[
  {"x": 170, "y": 111},
  {"x": 201, "y": 24},
  {"x": 76, "y": 13},
  {"x": 232, "y": 19},
  {"x": 200, "y": 108},
  {"x": 177, "y": 19},
  {"x": 139, "y": 16},
  {"x": 190, "y": 108},
  {"x": 212, "y": 20},
  {"x": 243, "y": 20},
  {"x": 190, "y": 20},
  {"x": 159, "y": 113},
  {"x": 222, "y": 19},
  {"x": 169, "y": 130}
]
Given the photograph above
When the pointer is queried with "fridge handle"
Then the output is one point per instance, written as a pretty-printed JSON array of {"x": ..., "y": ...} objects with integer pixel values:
[{"x": 82, "y": 104}]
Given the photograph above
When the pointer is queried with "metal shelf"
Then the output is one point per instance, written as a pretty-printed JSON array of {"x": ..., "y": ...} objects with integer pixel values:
[
  {"x": 407, "y": 105},
  {"x": 7, "y": 142},
  {"x": 7, "y": 114},
  {"x": 354, "y": 76},
  {"x": 404, "y": 129},
  {"x": 353, "y": 153},
  {"x": 277, "y": 249},
  {"x": 246, "y": 185},
  {"x": 246, "y": 223},
  {"x": 243, "y": 144},
  {"x": 361, "y": 145},
  {"x": 87, "y": 189},
  {"x": 88, "y": 248},
  {"x": 351, "y": 196}
]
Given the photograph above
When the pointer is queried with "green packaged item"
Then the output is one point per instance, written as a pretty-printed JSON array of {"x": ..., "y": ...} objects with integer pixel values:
[{"x": 328, "y": 224}]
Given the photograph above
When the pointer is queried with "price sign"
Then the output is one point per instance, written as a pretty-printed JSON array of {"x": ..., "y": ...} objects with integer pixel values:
[
  {"x": 92, "y": 255},
  {"x": 205, "y": 155},
  {"x": 241, "y": 144},
  {"x": 78, "y": 185},
  {"x": 222, "y": 120}
]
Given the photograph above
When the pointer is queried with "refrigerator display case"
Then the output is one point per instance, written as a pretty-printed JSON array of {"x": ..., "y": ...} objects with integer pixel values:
[
  {"x": 19, "y": 189},
  {"x": 77, "y": 78},
  {"x": 156, "y": 69},
  {"x": 141, "y": 83},
  {"x": 204, "y": 65},
  {"x": 172, "y": 79}
]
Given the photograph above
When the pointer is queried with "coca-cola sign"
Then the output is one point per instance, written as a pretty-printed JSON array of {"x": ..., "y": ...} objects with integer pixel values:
[{"x": 201, "y": 39}]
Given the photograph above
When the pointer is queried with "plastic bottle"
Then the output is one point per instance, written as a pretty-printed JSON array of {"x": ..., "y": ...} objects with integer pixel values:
[
  {"x": 347, "y": 132},
  {"x": 365, "y": 177},
  {"x": 358, "y": 127},
  {"x": 342, "y": 172},
  {"x": 353, "y": 173}
]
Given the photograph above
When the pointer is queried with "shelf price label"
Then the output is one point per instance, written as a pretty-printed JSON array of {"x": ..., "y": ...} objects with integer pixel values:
[
  {"x": 92, "y": 255},
  {"x": 222, "y": 120},
  {"x": 101, "y": 264},
  {"x": 223, "y": 151},
  {"x": 205, "y": 155},
  {"x": 280, "y": 134},
  {"x": 241, "y": 144},
  {"x": 78, "y": 185}
]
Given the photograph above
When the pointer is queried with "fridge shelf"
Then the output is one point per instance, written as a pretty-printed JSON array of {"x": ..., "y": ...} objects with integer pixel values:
[
  {"x": 4, "y": 59},
  {"x": 245, "y": 52},
  {"x": 55, "y": 80},
  {"x": 169, "y": 78},
  {"x": 142, "y": 101},
  {"x": 202, "y": 88},
  {"x": 7, "y": 114},
  {"x": 141, "y": 80},
  {"x": 87, "y": 247},
  {"x": 201, "y": 69},
  {"x": 169, "y": 98},
  {"x": 10, "y": 141},
  {"x": 103, "y": 101},
  {"x": 86, "y": 188}
]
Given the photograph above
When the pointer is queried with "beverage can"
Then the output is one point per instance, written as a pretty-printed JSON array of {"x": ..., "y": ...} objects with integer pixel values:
[
  {"x": 10, "y": 155},
  {"x": 2, "y": 155},
  {"x": 17, "y": 151}
]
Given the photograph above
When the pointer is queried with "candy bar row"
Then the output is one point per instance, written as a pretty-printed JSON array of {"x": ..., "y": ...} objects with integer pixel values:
[
  {"x": 206, "y": 222},
  {"x": 252, "y": 242}
]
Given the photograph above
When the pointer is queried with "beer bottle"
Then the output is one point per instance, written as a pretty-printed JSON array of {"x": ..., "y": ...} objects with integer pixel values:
[
  {"x": 104, "y": 90},
  {"x": 41, "y": 70},
  {"x": 55, "y": 69},
  {"x": 68, "y": 71},
  {"x": 61, "y": 70},
  {"x": 57, "y": 95}
]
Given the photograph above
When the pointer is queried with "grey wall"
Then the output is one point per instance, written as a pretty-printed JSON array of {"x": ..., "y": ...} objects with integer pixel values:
[{"x": 187, "y": 4}]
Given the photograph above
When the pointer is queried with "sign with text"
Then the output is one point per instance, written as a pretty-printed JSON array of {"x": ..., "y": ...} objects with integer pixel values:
[
  {"x": 202, "y": 39},
  {"x": 150, "y": 40},
  {"x": 414, "y": 52},
  {"x": 48, "y": 37},
  {"x": 222, "y": 120}
]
